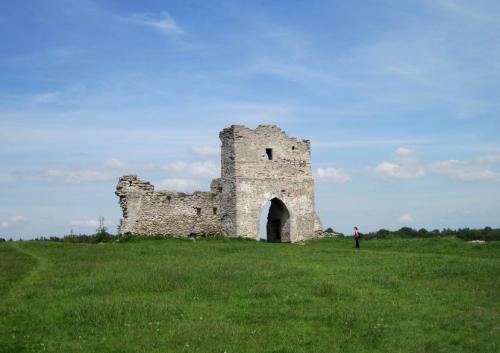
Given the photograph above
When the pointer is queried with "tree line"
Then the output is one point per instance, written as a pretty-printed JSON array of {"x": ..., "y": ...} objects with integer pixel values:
[{"x": 486, "y": 233}]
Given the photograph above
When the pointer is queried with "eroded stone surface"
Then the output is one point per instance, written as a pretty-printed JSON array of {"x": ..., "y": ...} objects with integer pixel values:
[{"x": 256, "y": 166}]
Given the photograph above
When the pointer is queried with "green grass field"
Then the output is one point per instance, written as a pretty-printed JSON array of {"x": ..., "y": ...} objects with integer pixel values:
[{"x": 435, "y": 295}]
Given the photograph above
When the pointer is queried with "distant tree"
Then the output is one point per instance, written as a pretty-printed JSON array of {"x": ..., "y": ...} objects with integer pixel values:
[
  {"x": 2, "y": 240},
  {"x": 447, "y": 232},
  {"x": 330, "y": 231},
  {"x": 119, "y": 227},
  {"x": 102, "y": 226},
  {"x": 422, "y": 232},
  {"x": 101, "y": 234},
  {"x": 407, "y": 232},
  {"x": 380, "y": 234}
]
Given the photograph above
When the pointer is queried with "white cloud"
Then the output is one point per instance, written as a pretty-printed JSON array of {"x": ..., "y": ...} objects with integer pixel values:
[
  {"x": 406, "y": 218},
  {"x": 405, "y": 166},
  {"x": 178, "y": 184},
  {"x": 114, "y": 164},
  {"x": 490, "y": 159},
  {"x": 403, "y": 151},
  {"x": 461, "y": 9},
  {"x": 206, "y": 150},
  {"x": 366, "y": 142},
  {"x": 85, "y": 223},
  {"x": 162, "y": 22},
  {"x": 12, "y": 221},
  {"x": 399, "y": 171},
  {"x": 78, "y": 176},
  {"x": 332, "y": 175},
  {"x": 249, "y": 113},
  {"x": 206, "y": 169},
  {"x": 46, "y": 97},
  {"x": 462, "y": 170},
  {"x": 72, "y": 176},
  {"x": 295, "y": 73},
  {"x": 90, "y": 223}
]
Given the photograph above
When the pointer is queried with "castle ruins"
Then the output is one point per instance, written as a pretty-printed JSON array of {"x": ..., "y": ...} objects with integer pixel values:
[{"x": 257, "y": 166}]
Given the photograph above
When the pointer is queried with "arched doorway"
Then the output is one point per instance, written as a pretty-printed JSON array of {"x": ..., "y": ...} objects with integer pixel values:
[{"x": 275, "y": 222}]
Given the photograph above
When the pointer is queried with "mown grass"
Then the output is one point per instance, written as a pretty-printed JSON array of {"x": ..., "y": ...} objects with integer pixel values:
[{"x": 435, "y": 295}]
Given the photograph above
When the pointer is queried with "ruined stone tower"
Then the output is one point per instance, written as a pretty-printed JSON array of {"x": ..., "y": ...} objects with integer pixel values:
[{"x": 257, "y": 166}]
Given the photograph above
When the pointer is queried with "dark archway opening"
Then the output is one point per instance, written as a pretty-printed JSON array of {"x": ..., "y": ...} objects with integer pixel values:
[{"x": 277, "y": 226}]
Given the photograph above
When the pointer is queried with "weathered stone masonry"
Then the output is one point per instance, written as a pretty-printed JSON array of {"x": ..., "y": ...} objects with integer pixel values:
[
  {"x": 257, "y": 166},
  {"x": 146, "y": 211}
]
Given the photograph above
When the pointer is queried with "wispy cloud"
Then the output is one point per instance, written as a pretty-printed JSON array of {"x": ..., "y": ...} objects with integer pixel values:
[
  {"x": 490, "y": 159},
  {"x": 332, "y": 175},
  {"x": 206, "y": 169},
  {"x": 399, "y": 170},
  {"x": 463, "y": 170},
  {"x": 109, "y": 170},
  {"x": 78, "y": 176},
  {"x": 90, "y": 223},
  {"x": 45, "y": 97},
  {"x": 187, "y": 176},
  {"x": 406, "y": 218},
  {"x": 461, "y": 9},
  {"x": 405, "y": 166},
  {"x": 178, "y": 184},
  {"x": 368, "y": 142},
  {"x": 18, "y": 218},
  {"x": 404, "y": 152},
  {"x": 206, "y": 150},
  {"x": 14, "y": 220},
  {"x": 250, "y": 112},
  {"x": 162, "y": 22},
  {"x": 299, "y": 73},
  {"x": 115, "y": 164}
]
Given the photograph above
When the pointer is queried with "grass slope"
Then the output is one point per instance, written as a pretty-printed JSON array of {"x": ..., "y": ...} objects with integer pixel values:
[{"x": 436, "y": 295}]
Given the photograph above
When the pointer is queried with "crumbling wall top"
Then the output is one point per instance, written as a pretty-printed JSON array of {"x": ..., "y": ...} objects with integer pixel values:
[
  {"x": 131, "y": 182},
  {"x": 240, "y": 131}
]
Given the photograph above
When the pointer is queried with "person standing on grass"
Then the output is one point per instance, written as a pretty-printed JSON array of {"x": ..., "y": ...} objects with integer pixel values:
[{"x": 356, "y": 236}]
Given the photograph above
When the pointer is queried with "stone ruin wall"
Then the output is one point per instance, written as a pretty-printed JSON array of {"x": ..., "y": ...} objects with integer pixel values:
[
  {"x": 233, "y": 207},
  {"x": 146, "y": 211},
  {"x": 250, "y": 179}
]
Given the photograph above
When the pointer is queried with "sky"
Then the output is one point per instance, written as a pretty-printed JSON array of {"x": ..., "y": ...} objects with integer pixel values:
[{"x": 400, "y": 100}]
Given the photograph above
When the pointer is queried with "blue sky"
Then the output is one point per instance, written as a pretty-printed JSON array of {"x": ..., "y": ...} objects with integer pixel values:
[{"x": 399, "y": 98}]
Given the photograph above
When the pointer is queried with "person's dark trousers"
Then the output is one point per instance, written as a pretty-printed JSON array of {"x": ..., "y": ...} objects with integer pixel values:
[{"x": 357, "y": 242}]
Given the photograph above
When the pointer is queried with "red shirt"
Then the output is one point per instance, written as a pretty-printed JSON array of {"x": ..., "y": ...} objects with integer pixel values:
[{"x": 356, "y": 234}]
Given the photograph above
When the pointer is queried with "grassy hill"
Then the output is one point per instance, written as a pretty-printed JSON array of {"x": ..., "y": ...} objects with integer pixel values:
[{"x": 405, "y": 295}]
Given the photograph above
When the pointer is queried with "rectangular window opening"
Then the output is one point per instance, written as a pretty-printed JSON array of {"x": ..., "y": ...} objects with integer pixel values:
[
  {"x": 198, "y": 211},
  {"x": 269, "y": 152},
  {"x": 214, "y": 210}
]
